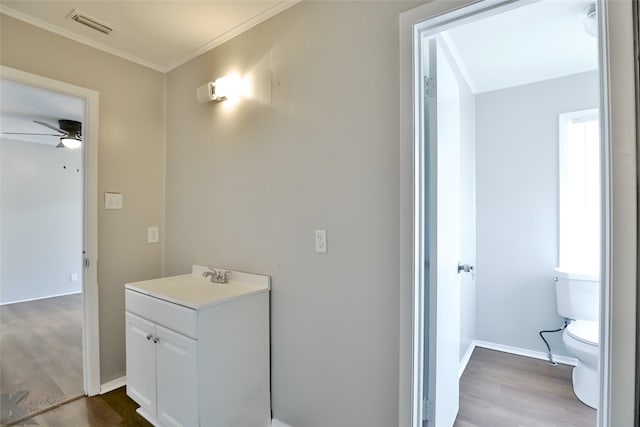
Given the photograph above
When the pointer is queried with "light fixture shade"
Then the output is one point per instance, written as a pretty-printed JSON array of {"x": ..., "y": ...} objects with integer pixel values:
[
  {"x": 71, "y": 141},
  {"x": 205, "y": 93},
  {"x": 227, "y": 87}
]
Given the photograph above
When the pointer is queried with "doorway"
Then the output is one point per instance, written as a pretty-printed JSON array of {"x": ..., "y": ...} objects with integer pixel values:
[
  {"x": 425, "y": 341},
  {"x": 72, "y": 206},
  {"x": 513, "y": 104}
]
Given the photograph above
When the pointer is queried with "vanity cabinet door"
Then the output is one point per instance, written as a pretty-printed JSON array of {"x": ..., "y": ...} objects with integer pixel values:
[
  {"x": 141, "y": 362},
  {"x": 176, "y": 379}
]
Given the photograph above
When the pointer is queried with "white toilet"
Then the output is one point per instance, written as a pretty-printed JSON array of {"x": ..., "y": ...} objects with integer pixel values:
[{"x": 578, "y": 299}]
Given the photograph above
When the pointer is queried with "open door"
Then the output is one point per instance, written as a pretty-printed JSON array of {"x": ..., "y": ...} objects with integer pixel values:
[{"x": 441, "y": 172}]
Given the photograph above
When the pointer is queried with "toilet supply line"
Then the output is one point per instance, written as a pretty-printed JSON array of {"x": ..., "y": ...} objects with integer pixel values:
[{"x": 541, "y": 333}]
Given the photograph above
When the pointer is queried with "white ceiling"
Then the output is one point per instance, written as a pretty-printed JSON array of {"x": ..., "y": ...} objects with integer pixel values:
[
  {"x": 158, "y": 34},
  {"x": 21, "y": 104},
  {"x": 539, "y": 41},
  {"x": 542, "y": 40},
  {"x": 535, "y": 42}
]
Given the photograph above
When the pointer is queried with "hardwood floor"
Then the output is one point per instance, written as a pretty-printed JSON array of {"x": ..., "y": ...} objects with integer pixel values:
[
  {"x": 503, "y": 390},
  {"x": 40, "y": 354},
  {"x": 107, "y": 410},
  {"x": 496, "y": 390}
]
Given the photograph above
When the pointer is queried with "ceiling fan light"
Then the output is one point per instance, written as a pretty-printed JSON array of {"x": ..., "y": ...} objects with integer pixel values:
[
  {"x": 71, "y": 141},
  {"x": 590, "y": 20}
]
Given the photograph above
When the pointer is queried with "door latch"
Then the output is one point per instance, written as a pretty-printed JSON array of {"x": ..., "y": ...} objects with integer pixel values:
[{"x": 465, "y": 267}]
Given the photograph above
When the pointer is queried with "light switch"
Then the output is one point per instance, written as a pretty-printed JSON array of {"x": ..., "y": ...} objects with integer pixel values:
[
  {"x": 153, "y": 235},
  {"x": 113, "y": 201},
  {"x": 321, "y": 241}
]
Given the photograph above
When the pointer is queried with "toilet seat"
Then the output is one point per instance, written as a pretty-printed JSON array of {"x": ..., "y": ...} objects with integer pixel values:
[{"x": 586, "y": 331}]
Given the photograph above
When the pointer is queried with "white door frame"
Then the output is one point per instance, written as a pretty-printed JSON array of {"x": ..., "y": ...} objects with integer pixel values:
[
  {"x": 90, "y": 325},
  {"x": 618, "y": 132}
]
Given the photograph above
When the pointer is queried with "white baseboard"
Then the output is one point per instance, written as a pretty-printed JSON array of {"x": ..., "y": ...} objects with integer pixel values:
[
  {"x": 113, "y": 384},
  {"x": 565, "y": 360},
  {"x": 39, "y": 298},
  {"x": 278, "y": 423},
  {"x": 465, "y": 359}
]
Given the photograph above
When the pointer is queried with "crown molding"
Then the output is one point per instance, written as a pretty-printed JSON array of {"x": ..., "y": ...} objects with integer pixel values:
[
  {"x": 75, "y": 37},
  {"x": 237, "y": 30}
]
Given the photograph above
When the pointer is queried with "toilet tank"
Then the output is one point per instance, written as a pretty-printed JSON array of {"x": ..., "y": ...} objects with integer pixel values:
[{"x": 577, "y": 295}]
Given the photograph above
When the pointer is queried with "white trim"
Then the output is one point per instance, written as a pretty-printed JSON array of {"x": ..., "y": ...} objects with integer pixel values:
[
  {"x": 429, "y": 18},
  {"x": 619, "y": 274},
  {"x": 217, "y": 41},
  {"x": 41, "y": 298},
  {"x": 113, "y": 384},
  {"x": 618, "y": 127},
  {"x": 565, "y": 360},
  {"x": 462, "y": 67},
  {"x": 604, "y": 405},
  {"x": 148, "y": 416},
  {"x": 564, "y": 219},
  {"x": 239, "y": 29},
  {"x": 90, "y": 324},
  {"x": 466, "y": 358},
  {"x": 78, "y": 38}
]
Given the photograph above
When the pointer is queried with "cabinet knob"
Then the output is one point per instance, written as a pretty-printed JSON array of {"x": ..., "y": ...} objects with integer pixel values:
[
  {"x": 149, "y": 337},
  {"x": 156, "y": 339}
]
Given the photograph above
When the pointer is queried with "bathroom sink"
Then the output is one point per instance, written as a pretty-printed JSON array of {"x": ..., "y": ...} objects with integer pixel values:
[{"x": 194, "y": 291}]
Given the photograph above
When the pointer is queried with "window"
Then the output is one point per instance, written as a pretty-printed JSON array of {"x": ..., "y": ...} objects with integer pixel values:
[{"x": 579, "y": 180}]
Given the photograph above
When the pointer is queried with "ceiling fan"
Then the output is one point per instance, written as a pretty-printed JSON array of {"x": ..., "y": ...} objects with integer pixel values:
[{"x": 69, "y": 132}]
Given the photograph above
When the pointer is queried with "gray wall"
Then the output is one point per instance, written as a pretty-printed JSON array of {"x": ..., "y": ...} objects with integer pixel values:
[
  {"x": 130, "y": 160},
  {"x": 248, "y": 184},
  {"x": 41, "y": 221},
  {"x": 517, "y": 207}
]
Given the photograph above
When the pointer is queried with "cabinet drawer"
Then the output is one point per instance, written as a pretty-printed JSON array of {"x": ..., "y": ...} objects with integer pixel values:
[{"x": 173, "y": 316}]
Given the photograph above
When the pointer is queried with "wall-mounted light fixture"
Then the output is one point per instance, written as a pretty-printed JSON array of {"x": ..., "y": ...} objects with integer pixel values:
[{"x": 223, "y": 88}]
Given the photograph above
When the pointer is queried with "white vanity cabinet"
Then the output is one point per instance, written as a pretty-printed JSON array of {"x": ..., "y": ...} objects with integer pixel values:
[
  {"x": 162, "y": 368},
  {"x": 198, "y": 352}
]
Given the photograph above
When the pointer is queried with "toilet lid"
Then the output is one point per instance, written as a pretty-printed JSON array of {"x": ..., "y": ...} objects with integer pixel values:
[{"x": 586, "y": 331}]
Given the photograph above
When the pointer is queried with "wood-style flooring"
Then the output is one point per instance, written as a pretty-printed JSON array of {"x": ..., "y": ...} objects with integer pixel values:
[
  {"x": 496, "y": 390},
  {"x": 504, "y": 390},
  {"x": 108, "y": 410},
  {"x": 40, "y": 354}
]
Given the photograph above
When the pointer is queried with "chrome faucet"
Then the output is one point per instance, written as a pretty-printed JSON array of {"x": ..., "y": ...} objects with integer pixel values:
[{"x": 217, "y": 276}]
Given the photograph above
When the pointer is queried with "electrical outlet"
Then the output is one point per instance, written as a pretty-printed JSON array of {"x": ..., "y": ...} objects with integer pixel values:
[
  {"x": 321, "y": 241},
  {"x": 153, "y": 235}
]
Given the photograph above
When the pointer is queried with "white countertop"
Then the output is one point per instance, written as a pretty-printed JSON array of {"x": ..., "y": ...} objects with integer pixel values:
[{"x": 194, "y": 291}]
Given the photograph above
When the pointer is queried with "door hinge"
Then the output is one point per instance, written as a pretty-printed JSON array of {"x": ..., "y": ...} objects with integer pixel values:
[
  {"x": 427, "y": 410},
  {"x": 86, "y": 263},
  {"x": 429, "y": 87}
]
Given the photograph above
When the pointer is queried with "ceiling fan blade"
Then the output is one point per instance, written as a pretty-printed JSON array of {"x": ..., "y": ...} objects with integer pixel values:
[
  {"x": 64, "y": 132},
  {"x": 38, "y": 134},
  {"x": 60, "y": 145}
]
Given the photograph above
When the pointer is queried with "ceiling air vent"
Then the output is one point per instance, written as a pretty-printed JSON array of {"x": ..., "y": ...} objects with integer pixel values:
[{"x": 90, "y": 22}]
